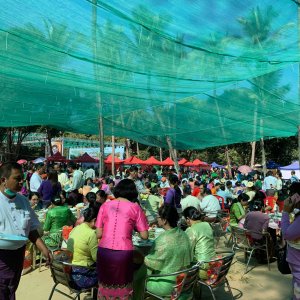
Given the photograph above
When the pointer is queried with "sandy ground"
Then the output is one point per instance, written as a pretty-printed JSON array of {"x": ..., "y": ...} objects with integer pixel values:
[{"x": 258, "y": 284}]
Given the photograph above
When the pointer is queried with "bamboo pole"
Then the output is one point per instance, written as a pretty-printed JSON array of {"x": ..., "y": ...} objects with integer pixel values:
[
  {"x": 173, "y": 154},
  {"x": 137, "y": 149},
  {"x": 98, "y": 96},
  {"x": 228, "y": 162},
  {"x": 263, "y": 156},
  {"x": 160, "y": 154},
  {"x": 113, "y": 155}
]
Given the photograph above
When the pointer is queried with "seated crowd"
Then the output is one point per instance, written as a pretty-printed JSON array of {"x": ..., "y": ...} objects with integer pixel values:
[{"x": 105, "y": 212}]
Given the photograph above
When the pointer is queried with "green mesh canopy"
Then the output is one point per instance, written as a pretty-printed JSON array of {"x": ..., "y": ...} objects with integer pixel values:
[{"x": 202, "y": 72}]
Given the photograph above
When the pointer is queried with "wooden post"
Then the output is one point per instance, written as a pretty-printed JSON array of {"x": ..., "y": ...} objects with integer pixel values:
[
  {"x": 173, "y": 155},
  {"x": 137, "y": 149},
  {"x": 160, "y": 154},
  {"x": 228, "y": 163},
  {"x": 98, "y": 96},
  {"x": 101, "y": 147},
  {"x": 127, "y": 144},
  {"x": 113, "y": 155},
  {"x": 263, "y": 156}
]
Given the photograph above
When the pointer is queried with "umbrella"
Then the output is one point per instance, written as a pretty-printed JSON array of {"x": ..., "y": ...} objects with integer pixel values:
[
  {"x": 22, "y": 161},
  {"x": 244, "y": 169},
  {"x": 39, "y": 160}
]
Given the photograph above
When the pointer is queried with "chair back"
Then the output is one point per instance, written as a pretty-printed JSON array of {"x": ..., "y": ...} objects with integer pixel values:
[
  {"x": 189, "y": 278},
  {"x": 241, "y": 238},
  {"x": 218, "y": 268},
  {"x": 61, "y": 273},
  {"x": 185, "y": 281}
]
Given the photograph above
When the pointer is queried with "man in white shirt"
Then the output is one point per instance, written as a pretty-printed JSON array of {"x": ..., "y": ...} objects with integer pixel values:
[
  {"x": 210, "y": 205},
  {"x": 36, "y": 179},
  {"x": 269, "y": 184},
  {"x": 16, "y": 218},
  {"x": 62, "y": 176},
  {"x": 89, "y": 173},
  {"x": 74, "y": 196},
  {"x": 188, "y": 199}
]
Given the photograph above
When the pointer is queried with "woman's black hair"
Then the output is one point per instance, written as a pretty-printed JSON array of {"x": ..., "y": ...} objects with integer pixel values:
[
  {"x": 294, "y": 188},
  {"x": 241, "y": 197},
  {"x": 90, "y": 214},
  {"x": 148, "y": 185},
  {"x": 57, "y": 200},
  {"x": 154, "y": 191},
  {"x": 126, "y": 189},
  {"x": 193, "y": 214},
  {"x": 101, "y": 194},
  {"x": 91, "y": 198},
  {"x": 169, "y": 213},
  {"x": 31, "y": 194},
  {"x": 173, "y": 179}
]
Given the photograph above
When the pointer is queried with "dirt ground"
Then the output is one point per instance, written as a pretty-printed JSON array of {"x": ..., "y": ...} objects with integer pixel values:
[{"x": 258, "y": 284}]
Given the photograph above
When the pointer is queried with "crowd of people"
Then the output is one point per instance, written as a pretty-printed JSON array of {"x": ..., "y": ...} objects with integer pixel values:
[{"x": 105, "y": 212}]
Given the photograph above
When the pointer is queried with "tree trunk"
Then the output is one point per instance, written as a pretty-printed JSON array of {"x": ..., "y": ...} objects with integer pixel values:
[
  {"x": 49, "y": 138},
  {"x": 173, "y": 154},
  {"x": 263, "y": 156},
  {"x": 160, "y": 154},
  {"x": 137, "y": 149},
  {"x": 113, "y": 156},
  {"x": 228, "y": 162},
  {"x": 127, "y": 146},
  {"x": 253, "y": 148}
]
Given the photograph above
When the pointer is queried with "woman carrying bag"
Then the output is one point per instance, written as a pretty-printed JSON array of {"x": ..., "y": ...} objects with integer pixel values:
[{"x": 290, "y": 225}]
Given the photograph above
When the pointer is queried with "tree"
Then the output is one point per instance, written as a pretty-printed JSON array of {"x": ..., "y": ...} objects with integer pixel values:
[{"x": 259, "y": 33}]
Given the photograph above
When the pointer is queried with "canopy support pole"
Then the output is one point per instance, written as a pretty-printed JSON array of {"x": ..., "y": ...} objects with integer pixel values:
[
  {"x": 127, "y": 145},
  {"x": 173, "y": 154},
  {"x": 263, "y": 156},
  {"x": 137, "y": 149},
  {"x": 101, "y": 147},
  {"x": 160, "y": 154},
  {"x": 113, "y": 155},
  {"x": 228, "y": 162},
  {"x": 98, "y": 96}
]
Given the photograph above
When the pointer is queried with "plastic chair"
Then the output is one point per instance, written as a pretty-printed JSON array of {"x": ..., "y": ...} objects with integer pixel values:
[
  {"x": 220, "y": 230},
  {"x": 61, "y": 274},
  {"x": 242, "y": 240},
  {"x": 185, "y": 282},
  {"x": 52, "y": 249},
  {"x": 217, "y": 270}
]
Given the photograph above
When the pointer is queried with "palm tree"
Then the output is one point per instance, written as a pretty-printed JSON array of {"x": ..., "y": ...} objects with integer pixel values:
[{"x": 259, "y": 34}]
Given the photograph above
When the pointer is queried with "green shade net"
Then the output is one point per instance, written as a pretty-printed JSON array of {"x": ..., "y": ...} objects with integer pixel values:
[{"x": 204, "y": 73}]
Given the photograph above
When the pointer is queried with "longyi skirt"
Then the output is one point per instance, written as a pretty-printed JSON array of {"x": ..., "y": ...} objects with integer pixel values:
[{"x": 115, "y": 274}]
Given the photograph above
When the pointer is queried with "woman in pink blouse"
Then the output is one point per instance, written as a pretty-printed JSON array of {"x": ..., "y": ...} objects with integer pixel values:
[{"x": 115, "y": 224}]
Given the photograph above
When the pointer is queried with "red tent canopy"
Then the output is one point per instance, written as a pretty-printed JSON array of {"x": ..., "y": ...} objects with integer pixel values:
[
  {"x": 152, "y": 161},
  {"x": 167, "y": 162},
  {"x": 182, "y": 162},
  {"x": 57, "y": 157},
  {"x": 133, "y": 160},
  {"x": 109, "y": 160},
  {"x": 189, "y": 164},
  {"x": 201, "y": 164},
  {"x": 85, "y": 158}
]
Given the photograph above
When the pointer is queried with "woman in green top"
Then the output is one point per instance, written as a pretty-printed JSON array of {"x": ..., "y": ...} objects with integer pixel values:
[
  {"x": 170, "y": 252},
  {"x": 200, "y": 234},
  {"x": 83, "y": 243},
  {"x": 152, "y": 203},
  {"x": 237, "y": 211},
  {"x": 56, "y": 218},
  {"x": 201, "y": 238}
]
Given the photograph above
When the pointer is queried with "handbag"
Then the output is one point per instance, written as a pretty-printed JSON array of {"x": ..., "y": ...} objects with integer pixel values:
[{"x": 282, "y": 264}]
